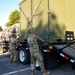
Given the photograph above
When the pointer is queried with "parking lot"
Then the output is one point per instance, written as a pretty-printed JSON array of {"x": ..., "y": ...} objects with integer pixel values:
[{"x": 19, "y": 69}]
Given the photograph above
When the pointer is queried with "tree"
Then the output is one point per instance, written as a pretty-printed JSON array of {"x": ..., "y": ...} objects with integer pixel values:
[
  {"x": 1, "y": 28},
  {"x": 13, "y": 18}
]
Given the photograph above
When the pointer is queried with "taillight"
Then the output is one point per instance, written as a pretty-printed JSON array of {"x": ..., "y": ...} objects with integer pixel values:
[
  {"x": 47, "y": 51},
  {"x": 27, "y": 48},
  {"x": 64, "y": 56}
]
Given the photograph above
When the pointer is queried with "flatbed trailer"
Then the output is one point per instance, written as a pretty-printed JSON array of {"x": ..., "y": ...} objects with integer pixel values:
[
  {"x": 67, "y": 51},
  {"x": 51, "y": 54}
]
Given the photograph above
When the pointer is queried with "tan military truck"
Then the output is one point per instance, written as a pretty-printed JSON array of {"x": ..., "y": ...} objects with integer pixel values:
[{"x": 53, "y": 20}]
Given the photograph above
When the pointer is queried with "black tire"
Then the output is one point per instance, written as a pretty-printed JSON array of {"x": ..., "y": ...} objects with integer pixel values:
[{"x": 24, "y": 56}]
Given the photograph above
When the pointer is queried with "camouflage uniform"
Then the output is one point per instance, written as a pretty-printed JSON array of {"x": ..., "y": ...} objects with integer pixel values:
[
  {"x": 35, "y": 53},
  {"x": 12, "y": 46}
]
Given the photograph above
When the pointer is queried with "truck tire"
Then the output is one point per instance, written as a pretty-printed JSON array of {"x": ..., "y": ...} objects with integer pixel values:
[{"x": 24, "y": 56}]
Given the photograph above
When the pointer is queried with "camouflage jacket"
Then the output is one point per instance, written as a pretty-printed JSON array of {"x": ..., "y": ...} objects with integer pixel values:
[
  {"x": 12, "y": 43},
  {"x": 32, "y": 41}
]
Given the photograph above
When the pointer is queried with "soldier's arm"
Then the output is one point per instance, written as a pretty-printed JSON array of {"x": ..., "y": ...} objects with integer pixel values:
[
  {"x": 12, "y": 40},
  {"x": 39, "y": 38}
]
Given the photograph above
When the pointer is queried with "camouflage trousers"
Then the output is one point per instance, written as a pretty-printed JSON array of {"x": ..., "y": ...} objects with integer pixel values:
[
  {"x": 13, "y": 55},
  {"x": 34, "y": 57}
]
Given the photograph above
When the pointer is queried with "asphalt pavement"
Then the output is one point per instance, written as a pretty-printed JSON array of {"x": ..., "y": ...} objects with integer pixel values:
[{"x": 19, "y": 69}]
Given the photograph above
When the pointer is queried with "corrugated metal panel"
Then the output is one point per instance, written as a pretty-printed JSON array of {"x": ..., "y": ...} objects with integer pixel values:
[{"x": 68, "y": 50}]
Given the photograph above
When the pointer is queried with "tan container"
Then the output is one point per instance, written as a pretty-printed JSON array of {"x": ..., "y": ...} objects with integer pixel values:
[{"x": 49, "y": 18}]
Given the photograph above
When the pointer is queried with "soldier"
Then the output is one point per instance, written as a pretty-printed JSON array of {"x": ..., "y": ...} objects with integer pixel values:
[
  {"x": 35, "y": 52},
  {"x": 12, "y": 46}
]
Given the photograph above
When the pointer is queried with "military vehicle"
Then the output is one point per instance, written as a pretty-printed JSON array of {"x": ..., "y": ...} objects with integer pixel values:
[{"x": 53, "y": 20}]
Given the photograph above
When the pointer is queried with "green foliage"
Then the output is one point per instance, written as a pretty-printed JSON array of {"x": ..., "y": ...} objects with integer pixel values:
[
  {"x": 1, "y": 28},
  {"x": 13, "y": 18}
]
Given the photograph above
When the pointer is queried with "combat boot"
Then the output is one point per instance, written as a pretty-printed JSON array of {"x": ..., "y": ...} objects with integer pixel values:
[
  {"x": 11, "y": 61},
  {"x": 46, "y": 73},
  {"x": 32, "y": 72}
]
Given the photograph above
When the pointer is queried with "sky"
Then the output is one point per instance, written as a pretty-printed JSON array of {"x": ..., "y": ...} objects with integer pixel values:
[{"x": 6, "y": 7}]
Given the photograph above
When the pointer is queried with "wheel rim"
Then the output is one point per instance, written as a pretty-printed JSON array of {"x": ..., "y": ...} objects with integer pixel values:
[{"x": 22, "y": 56}]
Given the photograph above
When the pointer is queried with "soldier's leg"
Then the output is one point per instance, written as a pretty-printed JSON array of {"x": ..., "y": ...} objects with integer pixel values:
[
  {"x": 41, "y": 63},
  {"x": 14, "y": 56},
  {"x": 11, "y": 57},
  {"x": 33, "y": 64},
  {"x": 43, "y": 70}
]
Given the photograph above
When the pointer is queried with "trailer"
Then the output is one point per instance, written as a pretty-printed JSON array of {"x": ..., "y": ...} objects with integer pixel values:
[{"x": 54, "y": 22}]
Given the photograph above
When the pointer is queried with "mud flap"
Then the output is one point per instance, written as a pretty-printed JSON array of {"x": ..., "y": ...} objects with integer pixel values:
[
  {"x": 50, "y": 61},
  {"x": 73, "y": 65}
]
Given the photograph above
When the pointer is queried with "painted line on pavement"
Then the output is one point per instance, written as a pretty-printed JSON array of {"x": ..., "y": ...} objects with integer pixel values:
[
  {"x": 16, "y": 71},
  {"x": 4, "y": 59}
]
